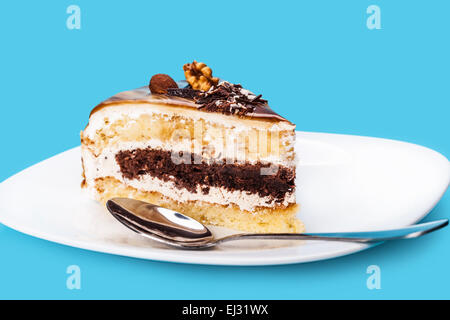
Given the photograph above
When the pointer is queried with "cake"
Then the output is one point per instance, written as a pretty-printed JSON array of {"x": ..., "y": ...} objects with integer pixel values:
[{"x": 206, "y": 148}]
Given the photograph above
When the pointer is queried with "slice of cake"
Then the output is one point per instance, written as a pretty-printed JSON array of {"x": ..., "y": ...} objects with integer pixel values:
[{"x": 209, "y": 149}]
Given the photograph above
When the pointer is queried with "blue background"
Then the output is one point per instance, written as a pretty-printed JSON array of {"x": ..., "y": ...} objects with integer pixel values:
[{"x": 315, "y": 61}]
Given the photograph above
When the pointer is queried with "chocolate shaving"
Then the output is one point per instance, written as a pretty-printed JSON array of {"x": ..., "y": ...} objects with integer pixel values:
[
  {"x": 187, "y": 93},
  {"x": 229, "y": 98},
  {"x": 225, "y": 98}
]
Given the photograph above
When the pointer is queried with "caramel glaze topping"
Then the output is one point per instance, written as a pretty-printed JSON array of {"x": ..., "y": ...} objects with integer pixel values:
[{"x": 143, "y": 95}]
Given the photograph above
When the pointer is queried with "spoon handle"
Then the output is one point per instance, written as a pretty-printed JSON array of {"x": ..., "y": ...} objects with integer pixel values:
[{"x": 413, "y": 231}]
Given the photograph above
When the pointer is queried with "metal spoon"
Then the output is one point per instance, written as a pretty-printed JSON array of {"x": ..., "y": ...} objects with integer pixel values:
[{"x": 177, "y": 230}]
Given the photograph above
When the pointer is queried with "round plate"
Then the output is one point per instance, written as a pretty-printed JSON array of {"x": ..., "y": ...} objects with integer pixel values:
[{"x": 344, "y": 183}]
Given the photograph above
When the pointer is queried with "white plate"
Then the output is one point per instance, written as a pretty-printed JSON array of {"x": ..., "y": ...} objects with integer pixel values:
[{"x": 345, "y": 183}]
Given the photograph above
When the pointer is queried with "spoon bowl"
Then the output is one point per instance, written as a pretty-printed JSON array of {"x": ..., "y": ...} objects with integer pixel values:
[{"x": 158, "y": 223}]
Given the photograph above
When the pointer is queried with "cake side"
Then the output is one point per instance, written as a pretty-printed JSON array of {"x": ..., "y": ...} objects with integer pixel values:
[
  {"x": 204, "y": 161},
  {"x": 218, "y": 154}
]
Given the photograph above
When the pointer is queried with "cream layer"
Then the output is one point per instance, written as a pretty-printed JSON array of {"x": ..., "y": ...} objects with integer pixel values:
[{"x": 134, "y": 111}]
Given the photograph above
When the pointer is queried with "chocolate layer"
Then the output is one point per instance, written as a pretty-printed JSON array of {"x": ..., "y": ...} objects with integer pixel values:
[{"x": 235, "y": 176}]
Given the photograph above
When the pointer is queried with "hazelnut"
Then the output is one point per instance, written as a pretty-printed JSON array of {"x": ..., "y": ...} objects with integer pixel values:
[
  {"x": 159, "y": 83},
  {"x": 199, "y": 76}
]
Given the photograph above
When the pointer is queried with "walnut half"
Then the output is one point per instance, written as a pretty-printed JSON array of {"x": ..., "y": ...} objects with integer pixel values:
[{"x": 199, "y": 76}]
